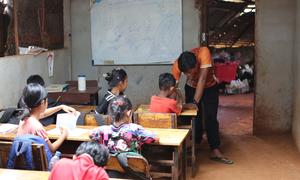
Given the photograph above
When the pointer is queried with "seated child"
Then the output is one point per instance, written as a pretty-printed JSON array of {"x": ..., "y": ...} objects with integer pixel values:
[
  {"x": 165, "y": 101},
  {"x": 122, "y": 136},
  {"x": 35, "y": 103},
  {"x": 49, "y": 117},
  {"x": 88, "y": 163},
  {"x": 118, "y": 82}
]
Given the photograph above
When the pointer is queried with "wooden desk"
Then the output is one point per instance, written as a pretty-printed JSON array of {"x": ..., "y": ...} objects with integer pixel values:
[
  {"x": 192, "y": 113},
  {"x": 14, "y": 174},
  {"x": 167, "y": 137},
  {"x": 73, "y": 96},
  {"x": 84, "y": 108},
  {"x": 173, "y": 138}
]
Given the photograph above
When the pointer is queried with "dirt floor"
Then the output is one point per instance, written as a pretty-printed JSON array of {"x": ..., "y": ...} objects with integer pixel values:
[{"x": 272, "y": 157}]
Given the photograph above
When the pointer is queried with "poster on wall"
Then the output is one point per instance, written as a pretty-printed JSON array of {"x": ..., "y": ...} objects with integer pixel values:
[{"x": 50, "y": 61}]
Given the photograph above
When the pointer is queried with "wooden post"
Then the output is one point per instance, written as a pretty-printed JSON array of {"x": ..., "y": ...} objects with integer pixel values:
[
  {"x": 204, "y": 30},
  {"x": 16, "y": 31},
  {"x": 2, "y": 41}
]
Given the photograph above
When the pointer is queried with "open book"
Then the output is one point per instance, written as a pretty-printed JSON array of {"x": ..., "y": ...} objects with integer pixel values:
[{"x": 67, "y": 120}]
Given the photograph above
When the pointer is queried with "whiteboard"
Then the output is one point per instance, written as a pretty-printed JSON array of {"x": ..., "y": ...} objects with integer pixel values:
[{"x": 136, "y": 31}]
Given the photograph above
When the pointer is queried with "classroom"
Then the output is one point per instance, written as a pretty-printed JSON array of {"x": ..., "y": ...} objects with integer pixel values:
[{"x": 253, "y": 61}]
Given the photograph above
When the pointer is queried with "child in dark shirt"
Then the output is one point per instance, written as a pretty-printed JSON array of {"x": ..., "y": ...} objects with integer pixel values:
[
  {"x": 52, "y": 103},
  {"x": 118, "y": 82}
]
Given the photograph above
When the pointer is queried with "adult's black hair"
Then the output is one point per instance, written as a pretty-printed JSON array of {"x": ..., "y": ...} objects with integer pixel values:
[
  {"x": 97, "y": 151},
  {"x": 115, "y": 77},
  {"x": 36, "y": 79},
  {"x": 166, "y": 81},
  {"x": 118, "y": 107},
  {"x": 186, "y": 61}
]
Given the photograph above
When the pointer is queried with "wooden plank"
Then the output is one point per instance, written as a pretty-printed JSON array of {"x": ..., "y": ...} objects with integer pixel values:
[
  {"x": 84, "y": 108},
  {"x": 28, "y": 175},
  {"x": 185, "y": 111},
  {"x": 23, "y": 174},
  {"x": 167, "y": 137},
  {"x": 156, "y": 120},
  {"x": 16, "y": 30},
  {"x": 73, "y": 96}
]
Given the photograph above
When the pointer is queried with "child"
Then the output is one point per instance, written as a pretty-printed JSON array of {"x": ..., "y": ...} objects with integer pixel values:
[
  {"x": 52, "y": 103},
  {"x": 35, "y": 103},
  {"x": 88, "y": 163},
  {"x": 122, "y": 136},
  {"x": 166, "y": 102},
  {"x": 118, "y": 82}
]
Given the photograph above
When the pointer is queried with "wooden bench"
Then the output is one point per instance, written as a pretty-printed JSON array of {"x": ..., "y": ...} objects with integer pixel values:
[
  {"x": 137, "y": 163},
  {"x": 38, "y": 154},
  {"x": 155, "y": 120},
  {"x": 158, "y": 120},
  {"x": 188, "y": 111}
]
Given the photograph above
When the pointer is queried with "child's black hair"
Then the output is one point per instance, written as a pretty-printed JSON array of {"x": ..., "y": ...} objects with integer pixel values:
[
  {"x": 118, "y": 107},
  {"x": 186, "y": 61},
  {"x": 35, "y": 79},
  {"x": 115, "y": 77},
  {"x": 166, "y": 81},
  {"x": 97, "y": 151},
  {"x": 32, "y": 96}
]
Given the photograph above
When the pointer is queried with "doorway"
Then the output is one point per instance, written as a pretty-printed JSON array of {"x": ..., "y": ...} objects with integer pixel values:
[{"x": 229, "y": 29}]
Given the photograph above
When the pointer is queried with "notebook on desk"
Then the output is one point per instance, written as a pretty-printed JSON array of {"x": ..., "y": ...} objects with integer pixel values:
[
  {"x": 57, "y": 88},
  {"x": 68, "y": 121}
]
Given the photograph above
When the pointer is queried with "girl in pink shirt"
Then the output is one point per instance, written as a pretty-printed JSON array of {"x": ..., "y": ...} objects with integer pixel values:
[{"x": 35, "y": 104}]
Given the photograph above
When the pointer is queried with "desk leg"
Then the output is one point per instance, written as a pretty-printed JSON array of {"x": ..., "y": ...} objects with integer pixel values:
[
  {"x": 175, "y": 167},
  {"x": 184, "y": 159},
  {"x": 193, "y": 147}
]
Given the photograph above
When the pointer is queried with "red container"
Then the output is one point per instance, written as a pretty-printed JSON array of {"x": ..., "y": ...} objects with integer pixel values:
[{"x": 226, "y": 72}]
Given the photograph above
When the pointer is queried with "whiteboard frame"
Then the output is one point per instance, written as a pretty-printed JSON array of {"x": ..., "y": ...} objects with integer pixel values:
[{"x": 141, "y": 64}]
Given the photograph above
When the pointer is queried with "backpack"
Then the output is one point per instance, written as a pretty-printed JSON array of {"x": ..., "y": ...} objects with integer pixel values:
[
  {"x": 85, "y": 118},
  {"x": 22, "y": 147},
  {"x": 11, "y": 115}
]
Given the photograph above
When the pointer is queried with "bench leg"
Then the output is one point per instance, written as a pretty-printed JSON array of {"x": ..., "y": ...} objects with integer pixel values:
[
  {"x": 175, "y": 167},
  {"x": 193, "y": 165}
]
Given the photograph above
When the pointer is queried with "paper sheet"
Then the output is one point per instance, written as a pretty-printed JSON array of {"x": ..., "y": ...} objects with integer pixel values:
[
  {"x": 73, "y": 132},
  {"x": 67, "y": 120},
  {"x": 4, "y": 128}
]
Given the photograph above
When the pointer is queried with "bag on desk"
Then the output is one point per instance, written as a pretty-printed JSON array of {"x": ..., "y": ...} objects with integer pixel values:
[
  {"x": 91, "y": 119},
  {"x": 11, "y": 115}
]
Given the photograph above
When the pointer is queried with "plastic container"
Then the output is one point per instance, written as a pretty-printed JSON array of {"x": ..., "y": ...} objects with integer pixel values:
[
  {"x": 226, "y": 72},
  {"x": 81, "y": 83},
  {"x": 54, "y": 159}
]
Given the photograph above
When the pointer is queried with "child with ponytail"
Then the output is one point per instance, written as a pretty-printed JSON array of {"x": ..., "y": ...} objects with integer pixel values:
[
  {"x": 121, "y": 135},
  {"x": 35, "y": 103},
  {"x": 117, "y": 82}
]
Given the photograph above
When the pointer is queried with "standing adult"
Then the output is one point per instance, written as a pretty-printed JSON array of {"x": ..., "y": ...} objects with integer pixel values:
[{"x": 201, "y": 89}]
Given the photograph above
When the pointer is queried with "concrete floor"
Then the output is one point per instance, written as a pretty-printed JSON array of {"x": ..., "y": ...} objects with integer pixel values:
[{"x": 273, "y": 157}]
